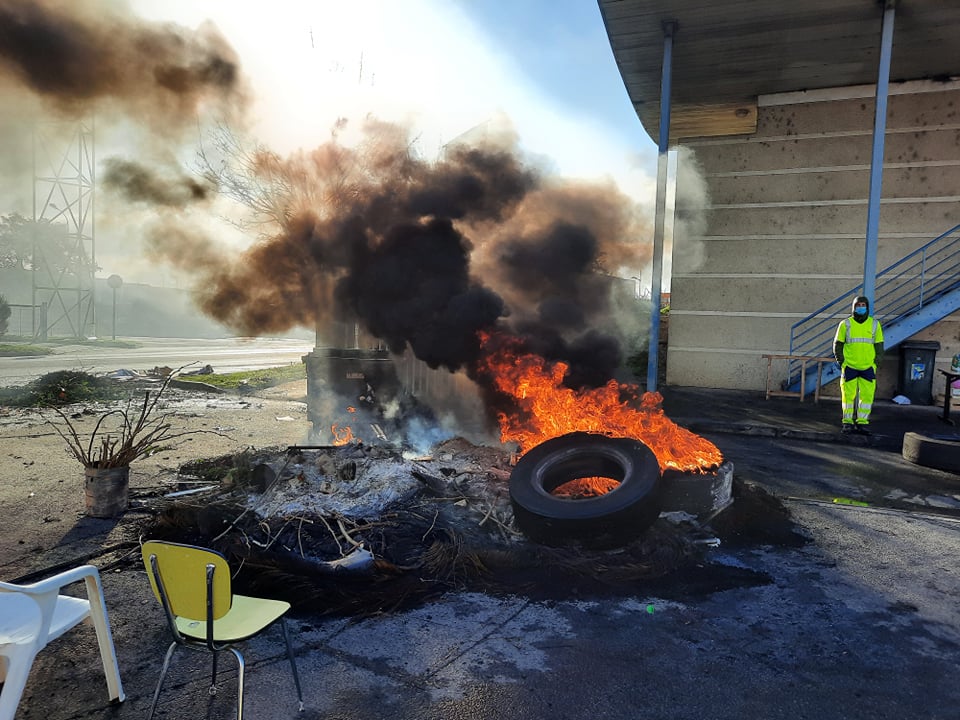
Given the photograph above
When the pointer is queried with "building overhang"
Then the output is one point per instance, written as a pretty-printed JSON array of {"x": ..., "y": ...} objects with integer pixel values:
[{"x": 726, "y": 54}]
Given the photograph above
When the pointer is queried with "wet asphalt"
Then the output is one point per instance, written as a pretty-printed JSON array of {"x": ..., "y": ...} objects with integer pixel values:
[{"x": 850, "y": 610}]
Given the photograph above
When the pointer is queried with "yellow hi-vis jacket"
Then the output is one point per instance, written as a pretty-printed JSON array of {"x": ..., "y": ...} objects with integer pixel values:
[{"x": 858, "y": 341}]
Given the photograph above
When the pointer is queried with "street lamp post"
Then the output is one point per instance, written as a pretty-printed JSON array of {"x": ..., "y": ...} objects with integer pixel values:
[{"x": 114, "y": 281}]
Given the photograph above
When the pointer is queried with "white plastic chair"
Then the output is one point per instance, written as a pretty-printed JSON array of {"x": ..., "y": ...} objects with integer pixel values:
[{"x": 32, "y": 616}]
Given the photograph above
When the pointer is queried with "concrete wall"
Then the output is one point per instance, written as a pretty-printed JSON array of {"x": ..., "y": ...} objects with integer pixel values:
[{"x": 780, "y": 230}]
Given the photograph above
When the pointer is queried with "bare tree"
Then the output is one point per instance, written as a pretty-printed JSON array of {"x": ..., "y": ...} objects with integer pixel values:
[{"x": 322, "y": 182}]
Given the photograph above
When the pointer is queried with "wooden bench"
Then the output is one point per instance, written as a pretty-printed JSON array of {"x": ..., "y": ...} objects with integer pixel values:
[{"x": 803, "y": 375}]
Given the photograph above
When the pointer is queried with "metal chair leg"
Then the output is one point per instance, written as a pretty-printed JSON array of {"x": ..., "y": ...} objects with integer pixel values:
[
  {"x": 239, "y": 682},
  {"x": 293, "y": 662},
  {"x": 163, "y": 674},
  {"x": 213, "y": 677}
]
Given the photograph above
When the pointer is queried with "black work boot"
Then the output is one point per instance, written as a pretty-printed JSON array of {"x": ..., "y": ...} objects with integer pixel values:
[
  {"x": 862, "y": 429},
  {"x": 846, "y": 429}
]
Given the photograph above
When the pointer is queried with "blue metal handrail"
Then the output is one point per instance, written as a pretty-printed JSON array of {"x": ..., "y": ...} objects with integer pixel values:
[{"x": 909, "y": 285}]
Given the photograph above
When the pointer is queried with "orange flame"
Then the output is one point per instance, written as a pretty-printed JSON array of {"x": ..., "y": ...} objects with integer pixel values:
[
  {"x": 585, "y": 487},
  {"x": 341, "y": 435},
  {"x": 546, "y": 409}
]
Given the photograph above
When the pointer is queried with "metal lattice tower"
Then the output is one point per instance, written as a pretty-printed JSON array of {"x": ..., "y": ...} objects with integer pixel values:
[{"x": 64, "y": 250}]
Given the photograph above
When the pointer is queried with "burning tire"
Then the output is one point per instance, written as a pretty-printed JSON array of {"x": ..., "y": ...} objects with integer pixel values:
[
  {"x": 932, "y": 452},
  {"x": 619, "y": 515}
]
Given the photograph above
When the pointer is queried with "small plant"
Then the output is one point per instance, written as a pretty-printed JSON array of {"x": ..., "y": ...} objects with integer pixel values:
[
  {"x": 121, "y": 435},
  {"x": 63, "y": 387}
]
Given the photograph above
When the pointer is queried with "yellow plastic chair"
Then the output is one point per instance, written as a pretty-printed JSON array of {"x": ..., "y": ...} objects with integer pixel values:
[
  {"x": 193, "y": 586},
  {"x": 32, "y": 616}
]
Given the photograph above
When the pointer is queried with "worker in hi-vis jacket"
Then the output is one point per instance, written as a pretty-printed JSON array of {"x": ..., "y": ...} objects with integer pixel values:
[{"x": 858, "y": 346}]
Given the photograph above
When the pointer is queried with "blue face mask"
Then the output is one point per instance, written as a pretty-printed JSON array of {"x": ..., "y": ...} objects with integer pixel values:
[{"x": 860, "y": 311}]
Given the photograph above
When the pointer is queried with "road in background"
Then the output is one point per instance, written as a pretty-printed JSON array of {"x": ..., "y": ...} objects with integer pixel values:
[{"x": 224, "y": 355}]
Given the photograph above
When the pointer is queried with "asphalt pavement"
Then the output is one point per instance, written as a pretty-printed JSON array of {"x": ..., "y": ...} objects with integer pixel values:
[
  {"x": 856, "y": 618},
  {"x": 225, "y": 355}
]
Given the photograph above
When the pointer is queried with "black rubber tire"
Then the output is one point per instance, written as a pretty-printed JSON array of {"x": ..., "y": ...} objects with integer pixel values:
[
  {"x": 616, "y": 517},
  {"x": 932, "y": 452}
]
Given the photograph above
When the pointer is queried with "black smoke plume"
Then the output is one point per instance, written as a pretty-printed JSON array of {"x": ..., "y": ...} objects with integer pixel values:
[
  {"x": 165, "y": 187},
  {"x": 80, "y": 57},
  {"x": 423, "y": 254}
]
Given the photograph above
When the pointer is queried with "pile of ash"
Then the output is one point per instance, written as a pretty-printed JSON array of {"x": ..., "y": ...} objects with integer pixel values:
[{"x": 362, "y": 529}]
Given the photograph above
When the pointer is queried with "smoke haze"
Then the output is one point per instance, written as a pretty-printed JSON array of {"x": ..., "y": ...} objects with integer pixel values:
[
  {"x": 689, "y": 224},
  {"x": 424, "y": 254}
]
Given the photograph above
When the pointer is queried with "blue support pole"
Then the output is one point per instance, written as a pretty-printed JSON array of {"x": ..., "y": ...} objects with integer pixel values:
[
  {"x": 669, "y": 29},
  {"x": 876, "y": 159}
]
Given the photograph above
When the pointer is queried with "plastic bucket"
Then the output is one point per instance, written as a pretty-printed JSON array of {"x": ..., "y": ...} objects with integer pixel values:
[{"x": 106, "y": 491}]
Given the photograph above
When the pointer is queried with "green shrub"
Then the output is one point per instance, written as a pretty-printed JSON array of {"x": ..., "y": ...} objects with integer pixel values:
[{"x": 67, "y": 386}]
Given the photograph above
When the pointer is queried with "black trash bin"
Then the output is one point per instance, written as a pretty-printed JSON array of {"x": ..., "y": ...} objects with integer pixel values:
[{"x": 917, "y": 362}]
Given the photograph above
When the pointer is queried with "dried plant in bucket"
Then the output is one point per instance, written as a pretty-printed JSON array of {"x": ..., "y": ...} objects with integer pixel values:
[{"x": 119, "y": 437}]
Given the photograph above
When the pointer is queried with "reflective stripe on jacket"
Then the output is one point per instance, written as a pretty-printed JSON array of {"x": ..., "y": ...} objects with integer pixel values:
[{"x": 858, "y": 342}]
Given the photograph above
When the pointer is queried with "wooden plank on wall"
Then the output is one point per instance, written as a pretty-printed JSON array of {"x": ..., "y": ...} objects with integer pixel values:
[{"x": 688, "y": 121}]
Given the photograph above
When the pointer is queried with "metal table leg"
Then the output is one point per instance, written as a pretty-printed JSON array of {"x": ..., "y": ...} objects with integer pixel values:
[{"x": 947, "y": 393}]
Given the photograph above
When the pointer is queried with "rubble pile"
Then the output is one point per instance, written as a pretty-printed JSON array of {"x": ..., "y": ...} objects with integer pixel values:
[{"x": 361, "y": 529}]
